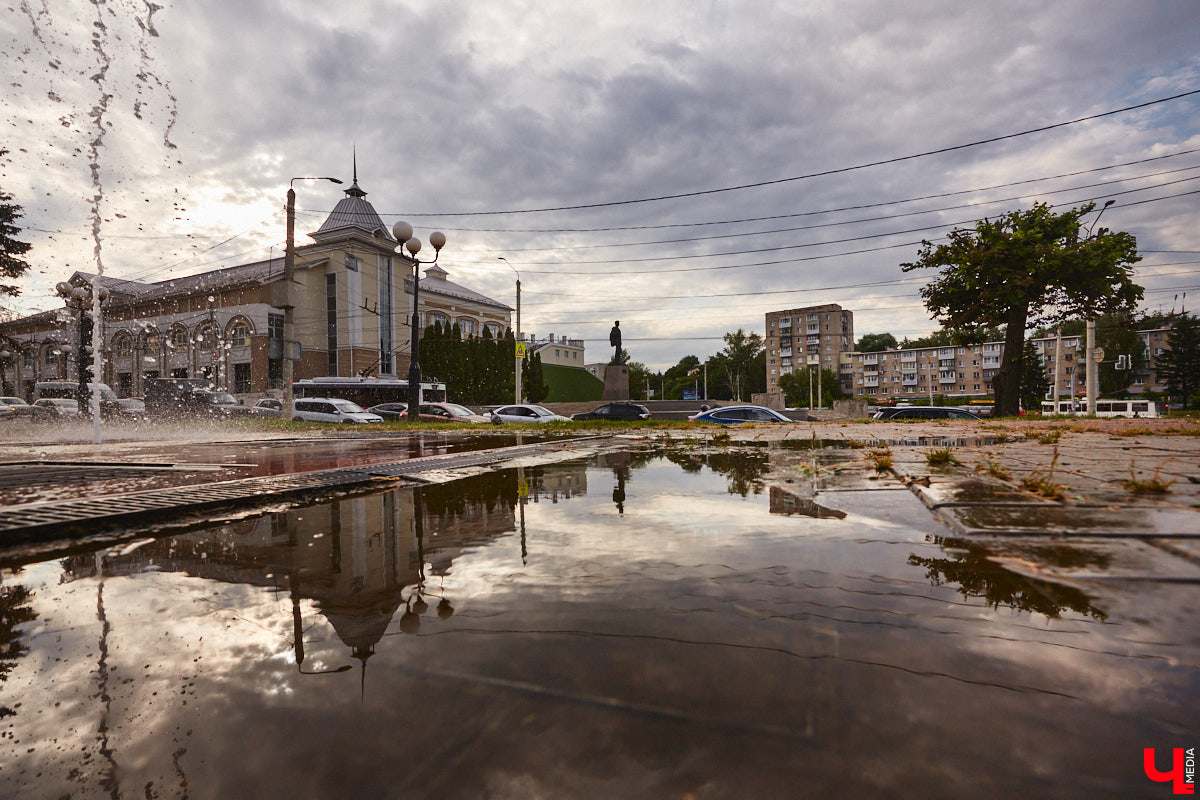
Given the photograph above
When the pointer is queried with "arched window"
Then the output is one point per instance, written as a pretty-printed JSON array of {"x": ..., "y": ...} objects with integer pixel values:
[
  {"x": 239, "y": 333},
  {"x": 493, "y": 329},
  {"x": 149, "y": 340},
  {"x": 50, "y": 354},
  {"x": 123, "y": 345},
  {"x": 177, "y": 339},
  {"x": 29, "y": 359},
  {"x": 466, "y": 326},
  {"x": 206, "y": 337},
  {"x": 435, "y": 318}
]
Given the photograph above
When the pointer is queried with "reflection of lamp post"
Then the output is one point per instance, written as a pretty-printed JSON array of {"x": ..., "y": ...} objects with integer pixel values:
[
  {"x": 404, "y": 234},
  {"x": 518, "y": 360},
  {"x": 289, "y": 264},
  {"x": 298, "y": 635}
]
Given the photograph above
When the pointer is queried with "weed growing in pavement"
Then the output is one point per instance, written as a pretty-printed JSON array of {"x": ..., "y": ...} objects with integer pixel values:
[
  {"x": 995, "y": 469},
  {"x": 881, "y": 459},
  {"x": 1045, "y": 437},
  {"x": 1044, "y": 484},
  {"x": 722, "y": 438},
  {"x": 941, "y": 457},
  {"x": 855, "y": 444},
  {"x": 1151, "y": 485}
]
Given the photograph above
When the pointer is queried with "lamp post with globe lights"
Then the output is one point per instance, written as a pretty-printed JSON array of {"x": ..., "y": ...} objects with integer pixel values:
[{"x": 404, "y": 234}]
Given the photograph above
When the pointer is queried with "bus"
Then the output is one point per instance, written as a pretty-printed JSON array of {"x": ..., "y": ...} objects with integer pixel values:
[
  {"x": 367, "y": 392},
  {"x": 1105, "y": 408}
]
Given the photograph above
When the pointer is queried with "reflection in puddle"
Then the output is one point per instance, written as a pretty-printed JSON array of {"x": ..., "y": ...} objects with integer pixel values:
[
  {"x": 640, "y": 624},
  {"x": 971, "y": 568}
]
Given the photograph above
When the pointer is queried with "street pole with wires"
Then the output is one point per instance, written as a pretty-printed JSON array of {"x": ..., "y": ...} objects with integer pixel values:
[{"x": 517, "y": 358}]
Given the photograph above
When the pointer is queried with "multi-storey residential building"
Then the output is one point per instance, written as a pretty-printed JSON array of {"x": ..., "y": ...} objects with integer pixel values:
[
  {"x": 806, "y": 337},
  {"x": 823, "y": 336},
  {"x": 953, "y": 371},
  {"x": 353, "y": 306}
]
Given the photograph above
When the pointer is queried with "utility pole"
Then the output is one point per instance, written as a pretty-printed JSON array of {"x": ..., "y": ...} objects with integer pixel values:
[
  {"x": 1092, "y": 375},
  {"x": 289, "y": 332},
  {"x": 1058, "y": 366},
  {"x": 517, "y": 368}
]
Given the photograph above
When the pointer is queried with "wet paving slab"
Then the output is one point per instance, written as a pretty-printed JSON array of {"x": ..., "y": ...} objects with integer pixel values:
[
  {"x": 150, "y": 465},
  {"x": 647, "y": 622}
]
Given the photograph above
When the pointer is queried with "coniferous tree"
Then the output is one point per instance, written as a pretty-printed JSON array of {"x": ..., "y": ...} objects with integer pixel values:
[
  {"x": 12, "y": 266},
  {"x": 535, "y": 388}
]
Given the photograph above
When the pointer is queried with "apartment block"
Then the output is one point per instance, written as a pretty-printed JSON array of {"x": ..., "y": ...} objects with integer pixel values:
[{"x": 799, "y": 338}]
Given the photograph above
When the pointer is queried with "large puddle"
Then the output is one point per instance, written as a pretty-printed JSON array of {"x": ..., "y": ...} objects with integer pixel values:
[{"x": 637, "y": 625}]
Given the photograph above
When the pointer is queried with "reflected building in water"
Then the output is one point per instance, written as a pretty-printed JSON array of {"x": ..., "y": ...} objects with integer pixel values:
[{"x": 357, "y": 560}]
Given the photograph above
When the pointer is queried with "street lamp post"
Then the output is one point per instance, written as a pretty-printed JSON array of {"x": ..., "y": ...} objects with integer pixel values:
[
  {"x": 289, "y": 266},
  {"x": 5, "y": 354},
  {"x": 404, "y": 234},
  {"x": 1092, "y": 368},
  {"x": 518, "y": 360}
]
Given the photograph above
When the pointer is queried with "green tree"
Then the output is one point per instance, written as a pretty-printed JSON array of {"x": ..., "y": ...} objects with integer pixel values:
[
  {"x": 875, "y": 342},
  {"x": 12, "y": 266},
  {"x": 640, "y": 379},
  {"x": 533, "y": 382},
  {"x": 795, "y": 386},
  {"x": 679, "y": 377},
  {"x": 1027, "y": 268},
  {"x": 958, "y": 337},
  {"x": 737, "y": 359},
  {"x": 1179, "y": 366},
  {"x": 1034, "y": 383}
]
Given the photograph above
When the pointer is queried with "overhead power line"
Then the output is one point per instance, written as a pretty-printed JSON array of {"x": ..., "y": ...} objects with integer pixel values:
[{"x": 837, "y": 171}]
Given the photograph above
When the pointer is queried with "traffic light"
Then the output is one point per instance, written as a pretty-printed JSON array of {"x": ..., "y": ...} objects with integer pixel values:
[{"x": 1122, "y": 362}]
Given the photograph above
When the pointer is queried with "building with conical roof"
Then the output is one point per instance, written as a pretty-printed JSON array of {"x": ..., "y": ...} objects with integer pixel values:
[{"x": 352, "y": 310}]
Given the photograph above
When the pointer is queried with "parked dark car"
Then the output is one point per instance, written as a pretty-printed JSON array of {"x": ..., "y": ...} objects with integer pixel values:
[
  {"x": 923, "y": 412},
  {"x": 732, "y": 415},
  {"x": 620, "y": 410},
  {"x": 132, "y": 409},
  {"x": 22, "y": 410},
  {"x": 389, "y": 410}
]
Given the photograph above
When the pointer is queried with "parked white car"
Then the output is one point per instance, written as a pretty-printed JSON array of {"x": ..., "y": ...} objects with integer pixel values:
[
  {"x": 526, "y": 413},
  {"x": 267, "y": 407},
  {"x": 330, "y": 409}
]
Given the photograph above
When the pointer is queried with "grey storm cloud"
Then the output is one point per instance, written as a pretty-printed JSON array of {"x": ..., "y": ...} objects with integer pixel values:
[{"x": 477, "y": 107}]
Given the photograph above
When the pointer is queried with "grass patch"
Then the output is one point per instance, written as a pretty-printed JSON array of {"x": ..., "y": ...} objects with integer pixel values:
[
  {"x": 1043, "y": 483},
  {"x": 855, "y": 444},
  {"x": 880, "y": 459},
  {"x": 1045, "y": 437},
  {"x": 995, "y": 469},
  {"x": 941, "y": 457},
  {"x": 1152, "y": 485}
]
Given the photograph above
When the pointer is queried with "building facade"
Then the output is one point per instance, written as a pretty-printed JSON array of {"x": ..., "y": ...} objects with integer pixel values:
[
  {"x": 352, "y": 296},
  {"x": 562, "y": 351},
  {"x": 801, "y": 338}
]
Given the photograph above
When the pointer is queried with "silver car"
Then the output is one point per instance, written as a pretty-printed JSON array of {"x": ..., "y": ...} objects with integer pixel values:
[{"x": 526, "y": 413}]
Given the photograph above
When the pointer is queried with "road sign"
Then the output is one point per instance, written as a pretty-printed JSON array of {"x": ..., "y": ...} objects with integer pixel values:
[
  {"x": 1099, "y": 354},
  {"x": 521, "y": 349}
]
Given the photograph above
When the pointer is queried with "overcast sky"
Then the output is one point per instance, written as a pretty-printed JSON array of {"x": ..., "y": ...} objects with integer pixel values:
[{"x": 181, "y": 125}]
